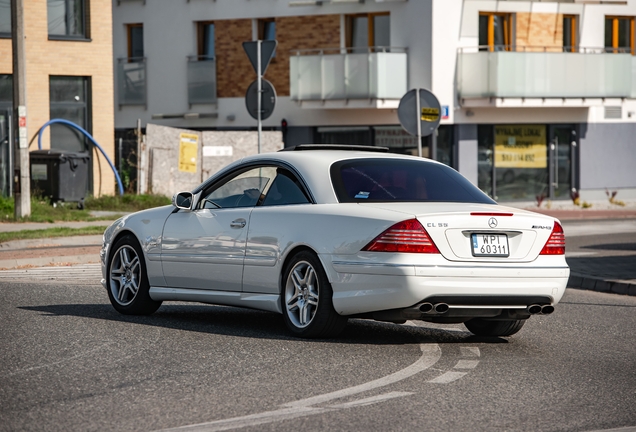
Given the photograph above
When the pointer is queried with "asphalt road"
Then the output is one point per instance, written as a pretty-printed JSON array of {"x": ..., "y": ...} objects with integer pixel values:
[{"x": 68, "y": 361}]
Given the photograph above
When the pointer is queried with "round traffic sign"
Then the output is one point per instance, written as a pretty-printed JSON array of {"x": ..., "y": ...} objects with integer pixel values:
[
  {"x": 429, "y": 114},
  {"x": 268, "y": 99}
]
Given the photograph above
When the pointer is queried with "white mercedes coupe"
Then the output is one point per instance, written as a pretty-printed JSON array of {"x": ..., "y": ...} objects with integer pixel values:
[{"x": 322, "y": 233}]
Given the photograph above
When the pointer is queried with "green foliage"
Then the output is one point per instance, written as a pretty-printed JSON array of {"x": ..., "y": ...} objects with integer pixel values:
[
  {"x": 43, "y": 211},
  {"x": 50, "y": 232}
]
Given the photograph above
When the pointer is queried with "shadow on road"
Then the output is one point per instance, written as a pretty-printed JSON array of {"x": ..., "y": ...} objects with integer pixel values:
[{"x": 248, "y": 323}]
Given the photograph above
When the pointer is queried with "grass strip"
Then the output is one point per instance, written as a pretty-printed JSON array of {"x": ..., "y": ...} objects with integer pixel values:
[{"x": 50, "y": 232}]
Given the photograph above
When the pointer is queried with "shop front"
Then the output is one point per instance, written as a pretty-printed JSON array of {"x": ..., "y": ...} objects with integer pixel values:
[{"x": 523, "y": 162}]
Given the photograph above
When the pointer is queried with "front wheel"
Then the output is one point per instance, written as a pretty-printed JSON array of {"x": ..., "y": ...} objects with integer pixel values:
[
  {"x": 128, "y": 286},
  {"x": 306, "y": 299},
  {"x": 482, "y": 327}
]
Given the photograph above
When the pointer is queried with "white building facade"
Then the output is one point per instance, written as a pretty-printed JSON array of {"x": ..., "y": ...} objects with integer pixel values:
[{"x": 538, "y": 98}]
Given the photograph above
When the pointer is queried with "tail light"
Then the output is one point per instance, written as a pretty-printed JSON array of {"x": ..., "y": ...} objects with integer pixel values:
[
  {"x": 556, "y": 243},
  {"x": 406, "y": 236}
]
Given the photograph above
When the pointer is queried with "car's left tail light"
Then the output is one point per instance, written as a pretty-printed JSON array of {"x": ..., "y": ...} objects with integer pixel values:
[
  {"x": 556, "y": 243},
  {"x": 406, "y": 236}
]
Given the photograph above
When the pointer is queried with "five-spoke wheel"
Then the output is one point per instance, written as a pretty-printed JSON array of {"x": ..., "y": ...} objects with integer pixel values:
[
  {"x": 306, "y": 298},
  {"x": 128, "y": 287}
]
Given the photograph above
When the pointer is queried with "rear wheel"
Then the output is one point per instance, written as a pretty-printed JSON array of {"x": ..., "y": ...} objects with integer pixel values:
[
  {"x": 306, "y": 299},
  {"x": 482, "y": 327},
  {"x": 128, "y": 286}
]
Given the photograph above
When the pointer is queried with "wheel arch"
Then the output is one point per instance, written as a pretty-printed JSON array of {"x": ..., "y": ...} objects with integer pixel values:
[{"x": 290, "y": 254}]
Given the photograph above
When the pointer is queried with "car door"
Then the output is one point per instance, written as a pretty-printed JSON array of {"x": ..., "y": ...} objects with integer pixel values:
[
  {"x": 205, "y": 248},
  {"x": 274, "y": 225}
]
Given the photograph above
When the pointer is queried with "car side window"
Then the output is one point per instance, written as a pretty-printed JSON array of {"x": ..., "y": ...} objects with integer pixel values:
[
  {"x": 285, "y": 190},
  {"x": 242, "y": 190}
]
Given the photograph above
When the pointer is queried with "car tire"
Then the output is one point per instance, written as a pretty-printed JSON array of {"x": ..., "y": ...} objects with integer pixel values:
[
  {"x": 306, "y": 299},
  {"x": 482, "y": 327},
  {"x": 127, "y": 283}
]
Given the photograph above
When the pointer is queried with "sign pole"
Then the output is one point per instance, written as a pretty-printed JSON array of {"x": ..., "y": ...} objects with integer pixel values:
[
  {"x": 21, "y": 176},
  {"x": 418, "y": 120},
  {"x": 260, "y": 94}
]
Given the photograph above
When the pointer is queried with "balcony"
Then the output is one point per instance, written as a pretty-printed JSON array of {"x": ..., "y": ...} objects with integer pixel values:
[
  {"x": 201, "y": 80},
  {"x": 544, "y": 76},
  {"x": 131, "y": 81},
  {"x": 348, "y": 78}
]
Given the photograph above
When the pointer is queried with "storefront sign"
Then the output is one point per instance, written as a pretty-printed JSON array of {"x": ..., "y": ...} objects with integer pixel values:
[
  {"x": 521, "y": 146},
  {"x": 188, "y": 145}
]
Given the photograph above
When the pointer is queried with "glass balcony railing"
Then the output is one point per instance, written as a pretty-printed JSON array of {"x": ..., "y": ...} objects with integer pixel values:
[
  {"x": 346, "y": 73},
  {"x": 201, "y": 80},
  {"x": 131, "y": 81},
  {"x": 545, "y": 73}
]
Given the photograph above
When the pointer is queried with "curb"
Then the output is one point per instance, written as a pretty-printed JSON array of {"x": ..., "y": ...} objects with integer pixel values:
[
  {"x": 68, "y": 260},
  {"x": 579, "y": 281}
]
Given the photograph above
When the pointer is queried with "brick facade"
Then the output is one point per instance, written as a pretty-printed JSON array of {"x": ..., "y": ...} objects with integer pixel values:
[
  {"x": 234, "y": 71},
  {"x": 93, "y": 58},
  {"x": 534, "y": 31}
]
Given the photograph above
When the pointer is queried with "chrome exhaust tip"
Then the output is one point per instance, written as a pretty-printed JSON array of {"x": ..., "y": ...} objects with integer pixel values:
[
  {"x": 426, "y": 307},
  {"x": 534, "y": 309},
  {"x": 547, "y": 309},
  {"x": 441, "y": 308}
]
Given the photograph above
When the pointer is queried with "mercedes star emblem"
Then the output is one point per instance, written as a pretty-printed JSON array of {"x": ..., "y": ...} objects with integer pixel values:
[{"x": 492, "y": 222}]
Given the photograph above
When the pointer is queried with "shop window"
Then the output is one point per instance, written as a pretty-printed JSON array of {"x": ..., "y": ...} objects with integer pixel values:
[
  {"x": 570, "y": 33},
  {"x": 69, "y": 100},
  {"x": 67, "y": 19},
  {"x": 5, "y": 19},
  {"x": 495, "y": 31},
  {"x": 206, "y": 38},
  {"x": 368, "y": 31},
  {"x": 619, "y": 34},
  {"x": 135, "y": 41}
]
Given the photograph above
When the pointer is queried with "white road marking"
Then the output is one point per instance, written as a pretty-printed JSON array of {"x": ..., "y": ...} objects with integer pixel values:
[
  {"x": 469, "y": 351},
  {"x": 467, "y": 364},
  {"x": 371, "y": 400},
  {"x": 431, "y": 353},
  {"x": 448, "y": 377},
  {"x": 579, "y": 254},
  {"x": 81, "y": 273}
]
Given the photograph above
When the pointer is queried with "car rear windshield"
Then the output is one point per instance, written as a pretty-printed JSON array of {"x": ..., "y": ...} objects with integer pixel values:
[{"x": 386, "y": 180}]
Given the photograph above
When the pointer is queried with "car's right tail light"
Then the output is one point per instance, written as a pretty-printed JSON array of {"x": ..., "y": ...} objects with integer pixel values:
[
  {"x": 556, "y": 243},
  {"x": 406, "y": 236}
]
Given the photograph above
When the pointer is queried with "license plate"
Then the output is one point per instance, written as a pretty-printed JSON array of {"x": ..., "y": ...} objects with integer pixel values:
[{"x": 495, "y": 245}]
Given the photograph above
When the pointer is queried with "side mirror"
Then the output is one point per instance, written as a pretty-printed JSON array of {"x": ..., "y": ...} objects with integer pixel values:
[{"x": 183, "y": 200}]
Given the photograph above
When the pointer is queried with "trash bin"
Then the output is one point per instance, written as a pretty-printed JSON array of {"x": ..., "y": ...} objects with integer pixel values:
[{"x": 60, "y": 175}]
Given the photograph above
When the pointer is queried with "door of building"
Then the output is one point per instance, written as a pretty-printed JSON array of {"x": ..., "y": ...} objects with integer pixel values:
[{"x": 562, "y": 154}]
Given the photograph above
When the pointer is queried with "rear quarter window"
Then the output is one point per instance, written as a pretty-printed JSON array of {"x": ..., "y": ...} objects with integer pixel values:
[{"x": 387, "y": 180}]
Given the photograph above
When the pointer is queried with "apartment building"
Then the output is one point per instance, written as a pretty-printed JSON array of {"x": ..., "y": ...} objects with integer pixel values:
[
  {"x": 537, "y": 97},
  {"x": 69, "y": 75}
]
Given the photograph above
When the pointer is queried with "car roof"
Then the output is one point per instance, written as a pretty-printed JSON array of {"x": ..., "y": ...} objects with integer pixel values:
[{"x": 314, "y": 165}]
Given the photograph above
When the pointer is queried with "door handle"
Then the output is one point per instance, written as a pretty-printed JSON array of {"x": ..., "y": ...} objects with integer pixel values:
[{"x": 238, "y": 223}]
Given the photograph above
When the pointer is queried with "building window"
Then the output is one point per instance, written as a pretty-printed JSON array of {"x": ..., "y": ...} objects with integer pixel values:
[
  {"x": 619, "y": 34},
  {"x": 135, "y": 41},
  {"x": 365, "y": 31},
  {"x": 267, "y": 29},
  {"x": 69, "y": 99},
  {"x": 5, "y": 19},
  {"x": 570, "y": 33},
  {"x": 495, "y": 31},
  {"x": 67, "y": 19},
  {"x": 205, "y": 41}
]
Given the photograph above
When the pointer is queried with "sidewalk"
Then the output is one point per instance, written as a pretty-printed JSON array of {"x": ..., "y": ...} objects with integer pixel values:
[{"x": 612, "y": 270}]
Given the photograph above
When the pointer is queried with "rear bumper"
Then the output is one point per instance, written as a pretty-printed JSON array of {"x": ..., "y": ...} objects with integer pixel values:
[{"x": 367, "y": 288}]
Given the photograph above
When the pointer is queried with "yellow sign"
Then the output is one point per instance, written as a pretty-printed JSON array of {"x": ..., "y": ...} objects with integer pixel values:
[
  {"x": 430, "y": 114},
  {"x": 521, "y": 146},
  {"x": 188, "y": 149}
]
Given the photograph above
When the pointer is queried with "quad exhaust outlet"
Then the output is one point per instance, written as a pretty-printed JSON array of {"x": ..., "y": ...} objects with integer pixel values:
[
  {"x": 438, "y": 308},
  {"x": 536, "y": 309}
]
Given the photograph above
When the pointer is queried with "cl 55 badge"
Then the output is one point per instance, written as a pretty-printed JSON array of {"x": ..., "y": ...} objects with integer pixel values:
[{"x": 436, "y": 225}]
